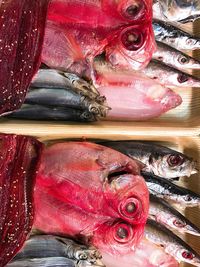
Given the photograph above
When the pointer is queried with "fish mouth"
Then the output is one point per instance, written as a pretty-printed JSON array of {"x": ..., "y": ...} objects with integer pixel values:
[
  {"x": 194, "y": 171},
  {"x": 123, "y": 170}
]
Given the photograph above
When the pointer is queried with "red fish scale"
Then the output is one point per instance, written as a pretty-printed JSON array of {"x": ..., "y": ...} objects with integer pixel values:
[
  {"x": 22, "y": 26},
  {"x": 19, "y": 158}
]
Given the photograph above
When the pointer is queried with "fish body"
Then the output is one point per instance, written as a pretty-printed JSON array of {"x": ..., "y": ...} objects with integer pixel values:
[
  {"x": 173, "y": 36},
  {"x": 84, "y": 189},
  {"x": 47, "y": 250},
  {"x": 163, "y": 188},
  {"x": 178, "y": 10},
  {"x": 131, "y": 95},
  {"x": 146, "y": 254},
  {"x": 46, "y": 113},
  {"x": 170, "y": 76},
  {"x": 77, "y": 31},
  {"x": 162, "y": 212},
  {"x": 157, "y": 159},
  {"x": 172, "y": 244},
  {"x": 174, "y": 58}
]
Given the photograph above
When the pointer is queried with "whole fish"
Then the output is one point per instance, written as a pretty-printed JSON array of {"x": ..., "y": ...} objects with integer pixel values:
[
  {"x": 157, "y": 159},
  {"x": 175, "y": 37},
  {"x": 175, "y": 58},
  {"x": 172, "y": 244},
  {"x": 146, "y": 254},
  {"x": 77, "y": 31},
  {"x": 90, "y": 191},
  {"x": 47, "y": 113},
  {"x": 162, "y": 212},
  {"x": 170, "y": 76},
  {"x": 163, "y": 188},
  {"x": 178, "y": 10},
  {"x": 47, "y": 250},
  {"x": 131, "y": 95}
]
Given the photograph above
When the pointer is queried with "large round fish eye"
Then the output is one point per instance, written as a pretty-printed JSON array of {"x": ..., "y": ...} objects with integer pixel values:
[
  {"x": 175, "y": 160},
  {"x": 133, "y": 9},
  {"x": 187, "y": 255},
  {"x": 123, "y": 232},
  {"x": 132, "y": 40},
  {"x": 130, "y": 207}
]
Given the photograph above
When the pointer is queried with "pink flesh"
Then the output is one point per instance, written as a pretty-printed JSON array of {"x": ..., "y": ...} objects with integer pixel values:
[
  {"x": 21, "y": 33},
  {"x": 84, "y": 29},
  {"x": 74, "y": 195},
  {"x": 133, "y": 96},
  {"x": 19, "y": 158},
  {"x": 145, "y": 255}
]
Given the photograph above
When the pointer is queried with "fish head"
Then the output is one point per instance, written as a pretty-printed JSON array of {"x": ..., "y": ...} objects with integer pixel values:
[
  {"x": 182, "y": 226},
  {"x": 185, "y": 61},
  {"x": 132, "y": 47},
  {"x": 187, "y": 255},
  {"x": 117, "y": 237},
  {"x": 128, "y": 195},
  {"x": 173, "y": 165}
]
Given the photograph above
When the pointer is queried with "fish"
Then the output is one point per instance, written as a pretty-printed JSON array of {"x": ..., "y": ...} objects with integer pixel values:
[
  {"x": 157, "y": 159},
  {"x": 131, "y": 95},
  {"x": 49, "y": 113},
  {"x": 182, "y": 11},
  {"x": 146, "y": 254},
  {"x": 48, "y": 250},
  {"x": 175, "y": 58},
  {"x": 121, "y": 29},
  {"x": 54, "y": 79},
  {"x": 167, "y": 190},
  {"x": 162, "y": 212},
  {"x": 19, "y": 162},
  {"x": 173, "y": 36},
  {"x": 20, "y": 48},
  {"x": 93, "y": 192},
  {"x": 172, "y": 244},
  {"x": 170, "y": 76}
]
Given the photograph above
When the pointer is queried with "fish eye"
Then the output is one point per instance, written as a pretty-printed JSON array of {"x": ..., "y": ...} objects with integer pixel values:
[
  {"x": 183, "y": 60},
  {"x": 187, "y": 255},
  {"x": 175, "y": 160},
  {"x": 123, "y": 232},
  {"x": 182, "y": 78},
  {"x": 130, "y": 208},
  {"x": 132, "y": 39},
  {"x": 134, "y": 9},
  {"x": 179, "y": 224}
]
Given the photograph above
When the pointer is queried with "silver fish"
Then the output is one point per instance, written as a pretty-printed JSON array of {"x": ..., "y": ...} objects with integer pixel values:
[
  {"x": 47, "y": 250},
  {"x": 162, "y": 212},
  {"x": 178, "y": 10},
  {"x": 163, "y": 188},
  {"x": 174, "y": 57},
  {"x": 51, "y": 78},
  {"x": 173, "y": 36},
  {"x": 159, "y": 160},
  {"x": 67, "y": 98},
  {"x": 38, "y": 112},
  {"x": 172, "y": 244},
  {"x": 170, "y": 76}
]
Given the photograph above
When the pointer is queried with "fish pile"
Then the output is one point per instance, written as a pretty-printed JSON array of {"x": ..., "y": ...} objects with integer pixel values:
[
  {"x": 101, "y": 60},
  {"x": 87, "y": 204}
]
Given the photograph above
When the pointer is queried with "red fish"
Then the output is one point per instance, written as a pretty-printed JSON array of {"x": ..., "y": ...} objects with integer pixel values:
[
  {"x": 19, "y": 160},
  {"x": 79, "y": 30},
  {"x": 85, "y": 189}
]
